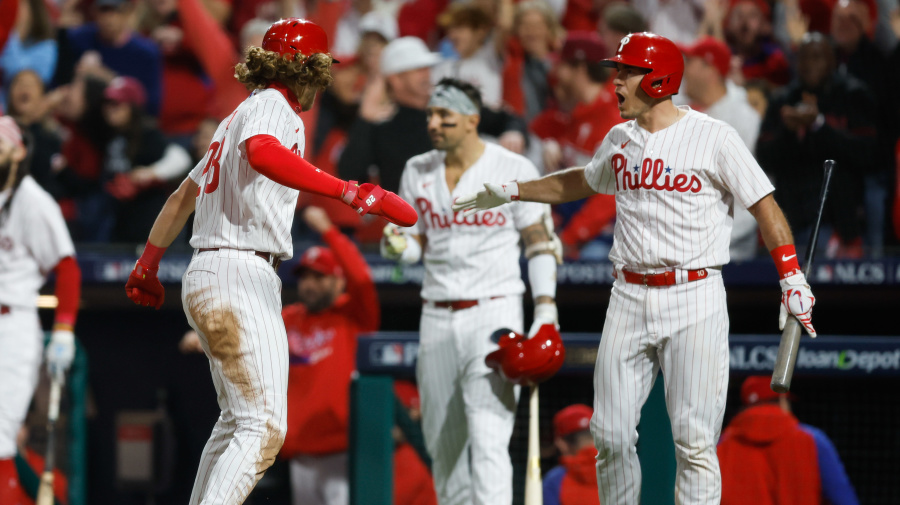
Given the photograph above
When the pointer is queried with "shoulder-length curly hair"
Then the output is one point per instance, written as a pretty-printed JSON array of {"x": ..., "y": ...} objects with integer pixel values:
[{"x": 263, "y": 67}]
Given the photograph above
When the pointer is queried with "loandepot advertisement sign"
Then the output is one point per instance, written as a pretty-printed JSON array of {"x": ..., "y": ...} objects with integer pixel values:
[{"x": 824, "y": 355}]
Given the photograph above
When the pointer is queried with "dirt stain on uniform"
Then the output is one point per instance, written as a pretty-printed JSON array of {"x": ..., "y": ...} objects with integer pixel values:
[
  {"x": 271, "y": 443},
  {"x": 223, "y": 331}
]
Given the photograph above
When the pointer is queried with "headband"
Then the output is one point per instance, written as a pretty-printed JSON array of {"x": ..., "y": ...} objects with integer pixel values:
[{"x": 453, "y": 98}]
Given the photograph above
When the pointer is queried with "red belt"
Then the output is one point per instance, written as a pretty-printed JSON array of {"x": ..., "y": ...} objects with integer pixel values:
[
  {"x": 4, "y": 310},
  {"x": 457, "y": 304},
  {"x": 667, "y": 278},
  {"x": 270, "y": 258}
]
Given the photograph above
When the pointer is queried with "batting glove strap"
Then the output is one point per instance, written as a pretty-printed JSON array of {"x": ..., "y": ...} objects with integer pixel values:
[{"x": 797, "y": 300}]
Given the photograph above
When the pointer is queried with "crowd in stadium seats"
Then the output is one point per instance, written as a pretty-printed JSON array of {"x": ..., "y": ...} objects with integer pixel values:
[{"x": 120, "y": 97}]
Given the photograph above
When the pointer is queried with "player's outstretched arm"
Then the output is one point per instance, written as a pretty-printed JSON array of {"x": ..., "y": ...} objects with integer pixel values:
[
  {"x": 143, "y": 286},
  {"x": 271, "y": 159},
  {"x": 561, "y": 187},
  {"x": 796, "y": 296}
]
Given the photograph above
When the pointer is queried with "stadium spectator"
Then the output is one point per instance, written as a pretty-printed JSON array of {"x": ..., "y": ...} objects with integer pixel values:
[
  {"x": 619, "y": 19},
  {"x": 108, "y": 47},
  {"x": 574, "y": 480},
  {"x": 748, "y": 31},
  {"x": 676, "y": 20},
  {"x": 31, "y": 107},
  {"x": 338, "y": 301},
  {"x": 469, "y": 29},
  {"x": 586, "y": 108},
  {"x": 822, "y": 115},
  {"x": 529, "y": 51},
  {"x": 338, "y": 109},
  {"x": 30, "y": 46},
  {"x": 767, "y": 457},
  {"x": 186, "y": 93},
  {"x": 376, "y": 30},
  {"x": 571, "y": 131},
  {"x": 852, "y": 26},
  {"x": 388, "y": 131},
  {"x": 138, "y": 161},
  {"x": 708, "y": 90}
]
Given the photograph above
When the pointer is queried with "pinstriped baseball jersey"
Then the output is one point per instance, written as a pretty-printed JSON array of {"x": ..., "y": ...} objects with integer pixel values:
[
  {"x": 237, "y": 207},
  {"x": 478, "y": 256},
  {"x": 675, "y": 191}
]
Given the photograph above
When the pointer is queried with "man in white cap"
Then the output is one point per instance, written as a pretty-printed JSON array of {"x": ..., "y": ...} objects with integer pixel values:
[{"x": 389, "y": 129}]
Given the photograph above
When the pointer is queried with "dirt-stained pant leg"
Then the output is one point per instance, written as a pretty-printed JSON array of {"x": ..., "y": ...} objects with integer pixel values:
[{"x": 233, "y": 300}]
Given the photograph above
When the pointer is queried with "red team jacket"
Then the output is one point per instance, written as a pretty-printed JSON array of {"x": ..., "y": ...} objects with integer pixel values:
[
  {"x": 323, "y": 356},
  {"x": 766, "y": 459}
]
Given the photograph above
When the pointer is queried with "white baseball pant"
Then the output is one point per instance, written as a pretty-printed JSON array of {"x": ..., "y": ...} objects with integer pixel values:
[
  {"x": 466, "y": 407},
  {"x": 320, "y": 480},
  {"x": 682, "y": 330},
  {"x": 233, "y": 300},
  {"x": 21, "y": 342}
]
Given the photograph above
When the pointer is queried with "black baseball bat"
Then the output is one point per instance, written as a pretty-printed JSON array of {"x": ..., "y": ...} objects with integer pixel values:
[{"x": 790, "y": 338}]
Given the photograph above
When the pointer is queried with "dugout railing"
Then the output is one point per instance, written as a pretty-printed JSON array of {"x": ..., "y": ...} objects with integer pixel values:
[{"x": 849, "y": 386}]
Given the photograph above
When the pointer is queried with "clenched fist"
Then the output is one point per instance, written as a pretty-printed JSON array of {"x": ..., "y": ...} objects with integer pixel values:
[{"x": 143, "y": 286}]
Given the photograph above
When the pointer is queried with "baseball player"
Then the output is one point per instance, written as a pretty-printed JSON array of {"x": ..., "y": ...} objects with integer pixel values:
[
  {"x": 244, "y": 192},
  {"x": 675, "y": 174},
  {"x": 472, "y": 286},
  {"x": 34, "y": 241}
]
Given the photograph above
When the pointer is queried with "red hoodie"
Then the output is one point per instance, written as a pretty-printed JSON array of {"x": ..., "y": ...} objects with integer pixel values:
[
  {"x": 579, "y": 486},
  {"x": 766, "y": 459}
]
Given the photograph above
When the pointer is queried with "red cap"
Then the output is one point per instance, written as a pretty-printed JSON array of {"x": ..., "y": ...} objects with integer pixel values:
[
  {"x": 126, "y": 90},
  {"x": 584, "y": 46},
  {"x": 319, "y": 259},
  {"x": 757, "y": 388},
  {"x": 407, "y": 393},
  {"x": 572, "y": 419},
  {"x": 763, "y": 6},
  {"x": 713, "y": 51}
]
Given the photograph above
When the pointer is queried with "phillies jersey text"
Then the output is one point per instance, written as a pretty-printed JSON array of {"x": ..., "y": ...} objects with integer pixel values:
[
  {"x": 469, "y": 257},
  {"x": 675, "y": 191},
  {"x": 237, "y": 207}
]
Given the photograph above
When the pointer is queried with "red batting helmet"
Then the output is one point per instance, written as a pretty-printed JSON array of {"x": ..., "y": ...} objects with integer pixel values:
[
  {"x": 527, "y": 361},
  {"x": 295, "y": 35},
  {"x": 657, "y": 54}
]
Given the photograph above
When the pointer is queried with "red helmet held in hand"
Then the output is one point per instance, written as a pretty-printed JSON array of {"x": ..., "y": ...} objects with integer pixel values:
[
  {"x": 294, "y": 35},
  {"x": 527, "y": 362},
  {"x": 657, "y": 54}
]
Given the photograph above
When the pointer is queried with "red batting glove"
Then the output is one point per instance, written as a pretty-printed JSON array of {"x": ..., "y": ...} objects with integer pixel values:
[
  {"x": 371, "y": 198},
  {"x": 143, "y": 286}
]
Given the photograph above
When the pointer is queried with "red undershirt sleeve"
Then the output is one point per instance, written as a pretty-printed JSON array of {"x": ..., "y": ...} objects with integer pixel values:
[
  {"x": 271, "y": 159},
  {"x": 68, "y": 290}
]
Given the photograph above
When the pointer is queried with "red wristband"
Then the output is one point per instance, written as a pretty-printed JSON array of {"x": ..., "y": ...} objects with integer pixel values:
[
  {"x": 152, "y": 255},
  {"x": 785, "y": 258}
]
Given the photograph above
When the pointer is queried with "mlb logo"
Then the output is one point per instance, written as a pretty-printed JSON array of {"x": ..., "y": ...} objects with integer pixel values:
[{"x": 388, "y": 354}]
